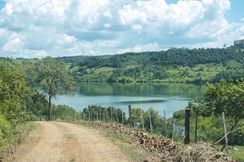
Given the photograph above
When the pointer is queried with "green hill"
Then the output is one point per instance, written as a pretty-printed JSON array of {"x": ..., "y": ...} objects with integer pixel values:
[{"x": 173, "y": 65}]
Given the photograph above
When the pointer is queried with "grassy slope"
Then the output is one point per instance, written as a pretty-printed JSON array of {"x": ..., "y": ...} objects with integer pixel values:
[{"x": 204, "y": 72}]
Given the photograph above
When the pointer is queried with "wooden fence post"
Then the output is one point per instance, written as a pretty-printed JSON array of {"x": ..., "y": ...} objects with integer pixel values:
[
  {"x": 89, "y": 115},
  {"x": 103, "y": 115},
  {"x": 123, "y": 117},
  {"x": 130, "y": 115},
  {"x": 142, "y": 120},
  {"x": 150, "y": 120},
  {"x": 117, "y": 115},
  {"x": 196, "y": 126},
  {"x": 187, "y": 126},
  {"x": 174, "y": 120},
  {"x": 111, "y": 114},
  {"x": 225, "y": 132}
]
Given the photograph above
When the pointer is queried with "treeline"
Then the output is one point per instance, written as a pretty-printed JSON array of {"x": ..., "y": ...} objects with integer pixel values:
[
  {"x": 181, "y": 64},
  {"x": 172, "y": 57}
]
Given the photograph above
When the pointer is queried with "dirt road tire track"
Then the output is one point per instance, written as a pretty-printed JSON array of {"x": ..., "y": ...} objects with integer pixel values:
[{"x": 65, "y": 142}]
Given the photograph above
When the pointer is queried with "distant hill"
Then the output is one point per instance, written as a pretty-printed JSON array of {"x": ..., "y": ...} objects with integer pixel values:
[{"x": 173, "y": 65}]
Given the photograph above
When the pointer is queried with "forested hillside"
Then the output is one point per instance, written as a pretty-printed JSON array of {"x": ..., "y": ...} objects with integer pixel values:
[{"x": 173, "y": 65}]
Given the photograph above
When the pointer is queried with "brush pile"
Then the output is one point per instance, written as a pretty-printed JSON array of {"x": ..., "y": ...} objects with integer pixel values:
[{"x": 165, "y": 149}]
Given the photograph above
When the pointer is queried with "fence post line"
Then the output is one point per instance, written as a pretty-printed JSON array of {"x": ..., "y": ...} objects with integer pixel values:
[{"x": 187, "y": 126}]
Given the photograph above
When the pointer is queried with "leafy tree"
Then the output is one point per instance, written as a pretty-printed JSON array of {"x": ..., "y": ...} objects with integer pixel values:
[
  {"x": 223, "y": 97},
  {"x": 227, "y": 98},
  {"x": 13, "y": 93},
  {"x": 64, "y": 112},
  {"x": 54, "y": 79},
  {"x": 230, "y": 75},
  {"x": 38, "y": 105}
]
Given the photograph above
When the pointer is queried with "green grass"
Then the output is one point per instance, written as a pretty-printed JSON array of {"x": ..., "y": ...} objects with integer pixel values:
[
  {"x": 120, "y": 140},
  {"x": 237, "y": 153},
  {"x": 125, "y": 144},
  {"x": 15, "y": 137},
  {"x": 104, "y": 69}
]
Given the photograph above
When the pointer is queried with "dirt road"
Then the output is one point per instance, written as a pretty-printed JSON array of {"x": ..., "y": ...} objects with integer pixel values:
[{"x": 64, "y": 142}]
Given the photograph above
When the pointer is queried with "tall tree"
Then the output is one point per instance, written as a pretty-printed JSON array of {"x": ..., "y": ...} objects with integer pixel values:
[{"x": 54, "y": 79}]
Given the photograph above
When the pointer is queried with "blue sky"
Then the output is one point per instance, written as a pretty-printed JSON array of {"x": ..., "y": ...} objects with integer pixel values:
[{"x": 39, "y": 28}]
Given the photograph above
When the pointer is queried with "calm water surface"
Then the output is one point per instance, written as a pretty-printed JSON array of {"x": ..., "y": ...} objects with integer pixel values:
[{"x": 169, "y": 97}]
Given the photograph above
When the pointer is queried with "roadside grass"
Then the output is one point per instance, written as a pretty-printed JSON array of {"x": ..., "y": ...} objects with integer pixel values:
[
  {"x": 15, "y": 137},
  {"x": 121, "y": 140},
  {"x": 237, "y": 153},
  {"x": 125, "y": 145}
]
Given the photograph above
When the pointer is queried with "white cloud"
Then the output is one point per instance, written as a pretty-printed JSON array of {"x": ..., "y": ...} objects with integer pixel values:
[
  {"x": 71, "y": 27},
  {"x": 14, "y": 43}
]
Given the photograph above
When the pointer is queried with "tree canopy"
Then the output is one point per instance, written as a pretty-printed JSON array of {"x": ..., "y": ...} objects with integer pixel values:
[{"x": 13, "y": 92}]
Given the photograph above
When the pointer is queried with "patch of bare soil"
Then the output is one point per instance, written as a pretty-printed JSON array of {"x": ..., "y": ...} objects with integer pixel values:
[{"x": 64, "y": 142}]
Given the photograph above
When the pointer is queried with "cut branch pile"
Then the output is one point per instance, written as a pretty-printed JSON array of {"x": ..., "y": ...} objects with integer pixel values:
[{"x": 164, "y": 149}]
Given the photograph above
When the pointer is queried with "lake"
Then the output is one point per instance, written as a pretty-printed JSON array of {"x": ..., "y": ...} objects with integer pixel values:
[{"x": 161, "y": 97}]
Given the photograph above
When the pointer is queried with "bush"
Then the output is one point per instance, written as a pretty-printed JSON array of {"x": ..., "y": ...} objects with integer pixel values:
[{"x": 4, "y": 129}]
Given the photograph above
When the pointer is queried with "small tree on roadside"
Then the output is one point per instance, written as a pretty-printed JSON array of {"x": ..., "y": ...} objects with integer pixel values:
[
  {"x": 53, "y": 79},
  {"x": 227, "y": 98}
]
